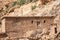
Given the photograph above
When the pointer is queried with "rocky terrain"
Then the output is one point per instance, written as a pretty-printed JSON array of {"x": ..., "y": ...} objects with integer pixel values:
[
  {"x": 38, "y": 8},
  {"x": 35, "y": 9}
]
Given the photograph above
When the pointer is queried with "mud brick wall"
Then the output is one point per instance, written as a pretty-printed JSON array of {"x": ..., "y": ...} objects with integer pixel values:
[{"x": 18, "y": 26}]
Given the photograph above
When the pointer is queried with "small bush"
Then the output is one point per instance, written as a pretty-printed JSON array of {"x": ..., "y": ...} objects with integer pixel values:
[
  {"x": 21, "y": 2},
  {"x": 33, "y": 7},
  {"x": 31, "y": 0},
  {"x": 35, "y": 0},
  {"x": 14, "y": 3}
]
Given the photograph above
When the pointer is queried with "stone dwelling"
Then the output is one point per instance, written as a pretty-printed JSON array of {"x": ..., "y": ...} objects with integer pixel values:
[{"x": 24, "y": 26}]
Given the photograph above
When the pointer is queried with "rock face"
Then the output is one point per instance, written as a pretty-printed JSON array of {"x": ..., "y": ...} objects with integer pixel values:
[
  {"x": 49, "y": 9},
  {"x": 44, "y": 1},
  {"x": 44, "y": 10},
  {"x": 5, "y": 2}
]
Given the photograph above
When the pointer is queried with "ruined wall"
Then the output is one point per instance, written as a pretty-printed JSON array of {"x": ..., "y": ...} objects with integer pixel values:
[
  {"x": 3, "y": 26},
  {"x": 17, "y": 27}
]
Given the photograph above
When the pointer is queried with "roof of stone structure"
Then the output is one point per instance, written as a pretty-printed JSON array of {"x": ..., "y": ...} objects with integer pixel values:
[{"x": 27, "y": 17}]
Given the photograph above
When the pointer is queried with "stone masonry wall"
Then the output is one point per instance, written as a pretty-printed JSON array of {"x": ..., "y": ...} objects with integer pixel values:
[{"x": 17, "y": 27}]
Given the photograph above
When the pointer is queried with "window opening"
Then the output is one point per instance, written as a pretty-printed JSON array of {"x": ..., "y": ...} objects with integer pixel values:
[
  {"x": 55, "y": 30},
  {"x": 44, "y": 21},
  {"x": 32, "y": 22}
]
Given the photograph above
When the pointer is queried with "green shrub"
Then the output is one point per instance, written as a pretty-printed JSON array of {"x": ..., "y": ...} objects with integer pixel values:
[
  {"x": 35, "y": 0},
  {"x": 33, "y": 7},
  {"x": 21, "y": 2},
  {"x": 14, "y": 3},
  {"x": 31, "y": 0}
]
